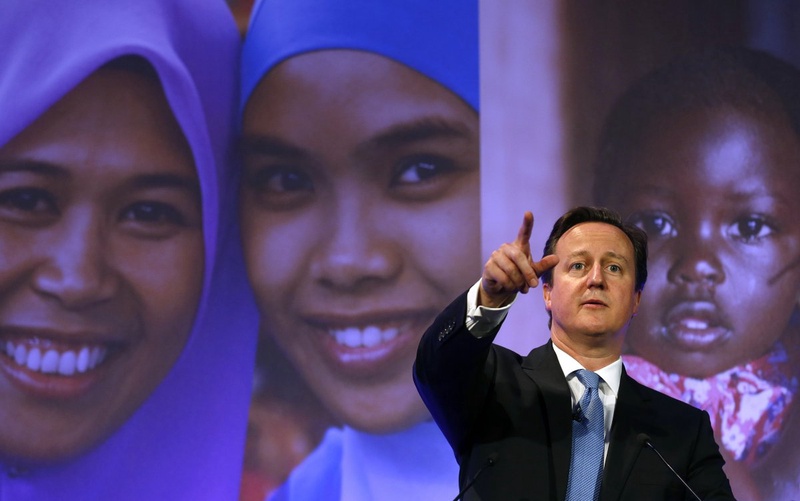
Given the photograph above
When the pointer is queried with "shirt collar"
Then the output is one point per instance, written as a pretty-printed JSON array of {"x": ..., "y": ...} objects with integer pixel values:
[{"x": 611, "y": 373}]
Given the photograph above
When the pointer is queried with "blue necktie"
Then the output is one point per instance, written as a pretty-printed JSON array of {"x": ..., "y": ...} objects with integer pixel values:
[{"x": 586, "y": 462}]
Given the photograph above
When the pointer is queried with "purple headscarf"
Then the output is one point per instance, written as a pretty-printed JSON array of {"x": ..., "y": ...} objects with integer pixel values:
[{"x": 186, "y": 441}]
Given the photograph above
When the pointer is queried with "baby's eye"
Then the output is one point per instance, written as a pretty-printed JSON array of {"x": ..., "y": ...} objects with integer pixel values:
[
  {"x": 31, "y": 205},
  {"x": 420, "y": 170},
  {"x": 655, "y": 224},
  {"x": 751, "y": 229}
]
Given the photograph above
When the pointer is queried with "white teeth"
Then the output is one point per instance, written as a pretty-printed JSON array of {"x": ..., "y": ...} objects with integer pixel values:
[
  {"x": 96, "y": 356},
  {"x": 695, "y": 324},
  {"x": 353, "y": 337},
  {"x": 50, "y": 362},
  {"x": 18, "y": 354},
  {"x": 66, "y": 363},
  {"x": 34, "y": 359},
  {"x": 371, "y": 336},
  {"x": 349, "y": 337},
  {"x": 83, "y": 359},
  {"x": 66, "y": 366}
]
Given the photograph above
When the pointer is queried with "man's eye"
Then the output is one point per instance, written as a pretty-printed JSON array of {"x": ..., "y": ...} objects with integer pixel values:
[
  {"x": 655, "y": 224},
  {"x": 576, "y": 266},
  {"x": 615, "y": 268},
  {"x": 751, "y": 229}
]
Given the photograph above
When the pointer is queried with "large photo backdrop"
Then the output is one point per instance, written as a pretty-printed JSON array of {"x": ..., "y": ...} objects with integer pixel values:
[
  {"x": 718, "y": 325},
  {"x": 224, "y": 227}
]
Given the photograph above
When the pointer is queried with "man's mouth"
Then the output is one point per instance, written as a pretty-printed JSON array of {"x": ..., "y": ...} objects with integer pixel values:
[
  {"x": 594, "y": 302},
  {"x": 47, "y": 358}
]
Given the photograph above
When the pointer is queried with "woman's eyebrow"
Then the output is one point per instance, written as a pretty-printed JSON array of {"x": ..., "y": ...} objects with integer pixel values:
[
  {"x": 188, "y": 183},
  {"x": 33, "y": 166},
  {"x": 417, "y": 130},
  {"x": 155, "y": 180},
  {"x": 268, "y": 145}
]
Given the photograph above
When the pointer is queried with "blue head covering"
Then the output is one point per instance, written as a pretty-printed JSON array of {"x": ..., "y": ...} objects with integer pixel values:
[
  {"x": 438, "y": 38},
  {"x": 186, "y": 441}
]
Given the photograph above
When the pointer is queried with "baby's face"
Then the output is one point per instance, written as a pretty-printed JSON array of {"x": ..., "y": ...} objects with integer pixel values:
[
  {"x": 360, "y": 217},
  {"x": 716, "y": 191}
]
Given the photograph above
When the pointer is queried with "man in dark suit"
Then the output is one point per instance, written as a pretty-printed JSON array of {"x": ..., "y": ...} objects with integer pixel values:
[{"x": 529, "y": 427}]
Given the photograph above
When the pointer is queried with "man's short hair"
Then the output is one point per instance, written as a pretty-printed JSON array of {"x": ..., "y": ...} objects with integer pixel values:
[{"x": 580, "y": 215}]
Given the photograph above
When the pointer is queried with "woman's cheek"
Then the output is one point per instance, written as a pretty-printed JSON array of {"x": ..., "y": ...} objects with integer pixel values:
[
  {"x": 445, "y": 243},
  {"x": 273, "y": 250}
]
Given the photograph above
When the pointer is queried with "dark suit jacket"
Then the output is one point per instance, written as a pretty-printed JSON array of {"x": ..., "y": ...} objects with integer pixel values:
[{"x": 493, "y": 403}]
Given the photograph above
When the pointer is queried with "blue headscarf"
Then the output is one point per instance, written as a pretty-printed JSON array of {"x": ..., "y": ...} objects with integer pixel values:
[
  {"x": 438, "y": 38},
  {"x": 186, "y": 441}
]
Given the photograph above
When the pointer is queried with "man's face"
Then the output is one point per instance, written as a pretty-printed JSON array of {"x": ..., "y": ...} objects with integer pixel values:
[{"x": 592, "y": 296}]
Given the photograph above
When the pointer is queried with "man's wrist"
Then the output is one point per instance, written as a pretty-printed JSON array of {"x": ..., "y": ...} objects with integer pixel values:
[{"x": 489, "y": 301}]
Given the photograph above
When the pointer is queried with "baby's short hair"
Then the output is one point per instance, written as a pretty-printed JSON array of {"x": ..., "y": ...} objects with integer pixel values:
[{"x": 745, "y": 79}]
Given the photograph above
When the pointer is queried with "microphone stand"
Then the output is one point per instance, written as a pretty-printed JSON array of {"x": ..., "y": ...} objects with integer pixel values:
[
  {"x": 644, "y": 439},
  {"x": 489, "y": 462}
]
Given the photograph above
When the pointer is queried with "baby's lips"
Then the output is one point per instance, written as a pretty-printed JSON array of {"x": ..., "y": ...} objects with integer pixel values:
[{"x": 689, "y": 313}]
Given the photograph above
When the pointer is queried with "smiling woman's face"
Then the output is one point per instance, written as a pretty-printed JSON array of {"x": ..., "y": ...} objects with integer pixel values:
[
  {"x": 361, "y": 218},
  {"x": 101, "y": 263}
]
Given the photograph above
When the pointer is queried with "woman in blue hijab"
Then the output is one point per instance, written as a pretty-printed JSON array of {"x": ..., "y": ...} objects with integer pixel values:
[
  {"x": 125, "y": 317},
  {"x": 360, "y": 214}
]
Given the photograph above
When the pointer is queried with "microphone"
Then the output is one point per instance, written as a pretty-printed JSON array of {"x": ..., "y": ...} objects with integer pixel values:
[
  {"x": 490, "y": 461},
  {"x": 577, "y": 414},
  {"x": 644, "y": 439}
]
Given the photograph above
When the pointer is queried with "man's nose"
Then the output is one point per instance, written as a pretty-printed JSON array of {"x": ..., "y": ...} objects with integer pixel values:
[{"x": 595, "y": 276}]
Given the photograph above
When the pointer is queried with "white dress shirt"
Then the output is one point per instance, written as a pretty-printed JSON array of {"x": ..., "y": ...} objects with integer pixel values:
[{"x": 482, "y": 319}]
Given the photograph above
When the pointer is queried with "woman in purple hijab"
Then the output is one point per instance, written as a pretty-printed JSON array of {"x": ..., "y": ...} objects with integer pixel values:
[{"x": 126, "y": 323}]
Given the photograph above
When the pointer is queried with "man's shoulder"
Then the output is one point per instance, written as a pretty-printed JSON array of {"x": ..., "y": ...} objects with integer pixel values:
[
  {"x": 662, "y": 401},
  {"x": 533, "y": 357},
  {"x": 540, "y": 358}
]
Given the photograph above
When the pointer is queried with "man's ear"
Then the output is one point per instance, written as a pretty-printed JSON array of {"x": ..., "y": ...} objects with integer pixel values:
[
  {"x": 637, "y": 300},
  {"x": 546, "y": 294}
]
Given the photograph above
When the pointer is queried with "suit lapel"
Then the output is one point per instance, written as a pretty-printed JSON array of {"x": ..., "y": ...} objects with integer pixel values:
[
  {"x": 631, "y": 416},
  {"x": 542, "y": 366}
]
